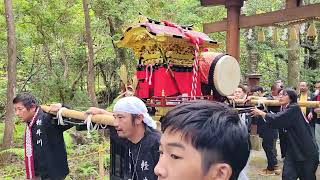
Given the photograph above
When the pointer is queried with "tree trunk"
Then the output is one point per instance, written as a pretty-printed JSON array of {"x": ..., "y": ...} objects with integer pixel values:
[
  {"x": 33, "y": 71},
  {"x": 293, "y": 53},
  {"x": 64, "y": 62},
  {"x": 293, "y": 63},
  {"x": 317, "y": 53},
  {"x": 252, "y": 61},
  {"x": 90, "y": 75},
  {"x": 46, "y": 49},
  {"x": 253, "y": 56},
  {"x": 120, "y": 52},
  {"x": 277, "y": 69},
  {"x": 11, "y": 71},
  {"x": 76, "y": 81}
]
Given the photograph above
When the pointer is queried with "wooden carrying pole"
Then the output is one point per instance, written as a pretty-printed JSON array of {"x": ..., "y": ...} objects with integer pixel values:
[
  {"x": 99, "y": 119},
  {"x": 277, "y": 103},
  {"x": 109, "y": 120}
]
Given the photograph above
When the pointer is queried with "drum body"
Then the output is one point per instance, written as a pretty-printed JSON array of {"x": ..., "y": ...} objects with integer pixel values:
[{"x": 219, "y": 73}]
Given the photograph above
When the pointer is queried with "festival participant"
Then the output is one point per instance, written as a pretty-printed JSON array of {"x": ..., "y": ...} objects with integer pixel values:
[
  {"x": 268, "y": 134},
  {"x": 279, "y": 83},
  {"x": 240, "y": 93},
  {"x": 202, "y": 140},
  {"x": 306, "y": 96},
  {"x": 315, "y": 113},
  {"x": 276, "y": 87},
  {"x": 136, "y": 132},
  {"x": 301, "y": 159},
  {"x": 45, "y": 152}
]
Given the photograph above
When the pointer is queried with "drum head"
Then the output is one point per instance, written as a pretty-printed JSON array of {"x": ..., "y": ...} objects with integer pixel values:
[{"x": 226, "y": 75}]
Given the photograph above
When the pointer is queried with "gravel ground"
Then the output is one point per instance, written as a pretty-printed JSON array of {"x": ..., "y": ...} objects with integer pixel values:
[{"x": 258, "y": 161}]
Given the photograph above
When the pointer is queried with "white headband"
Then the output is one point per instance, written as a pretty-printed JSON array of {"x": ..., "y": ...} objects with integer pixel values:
[{"x": 134, "y": 105}]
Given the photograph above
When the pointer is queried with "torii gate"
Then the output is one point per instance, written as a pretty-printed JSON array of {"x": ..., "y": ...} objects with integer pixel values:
[{"x": 235, "y": 21}]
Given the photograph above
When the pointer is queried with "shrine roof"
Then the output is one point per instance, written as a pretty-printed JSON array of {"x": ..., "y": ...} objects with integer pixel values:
[{"x": 161, "y": 32}]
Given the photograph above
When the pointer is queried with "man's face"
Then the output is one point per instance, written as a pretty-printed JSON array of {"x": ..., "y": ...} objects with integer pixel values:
[
  {"x": 179, "y": 159},
  {"x": 303, "y": 87},
  {"x": 123, "y": 124},
  {"x": 239, "y": 94},
  {"x": 258, "y": 93},
  {"x": 284, "y": 98},
  {"x": 275, "y": 91},
  {"x": 23, "y": 113}
]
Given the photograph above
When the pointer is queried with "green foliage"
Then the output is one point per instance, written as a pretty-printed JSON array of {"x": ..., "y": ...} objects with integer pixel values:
[
  {"x": 261, "y": 6},
  {"x": 17, "y": 135},
  {"x": 86, "y": 169},
  {"x": 107, "y": 161},
  {"x": 83, "y": 159},
  {"x": 13, "y": 171},
  {"x": 68, "y": 141},
  {"x": 1, "y": 131},
  {"x": 311, "y": 76},
  {"x": 19, "y": 152},
  {"x": 272, "y": 57}
]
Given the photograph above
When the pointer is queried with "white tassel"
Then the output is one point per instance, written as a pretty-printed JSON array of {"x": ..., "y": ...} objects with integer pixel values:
[
  {"x": 284, "y": 35},
  {"x": 270, "y": 31},
  {"x": 249, "y": 35}
]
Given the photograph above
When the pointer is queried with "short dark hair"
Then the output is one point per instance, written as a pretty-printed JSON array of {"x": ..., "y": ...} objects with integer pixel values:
[
  {"x": 214, "y": 129},
  {"x": 304, "y": 82},
  {"x": 274, "y": 86},
  {"x": 292, "y": 94},
  {"x": 244, "y": 89},
  {"x": 256, "y": 89},
  {"x": 27, "y": 99}
]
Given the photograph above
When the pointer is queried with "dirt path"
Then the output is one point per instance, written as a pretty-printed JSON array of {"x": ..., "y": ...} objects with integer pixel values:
[{"x": 258, "y": 161}]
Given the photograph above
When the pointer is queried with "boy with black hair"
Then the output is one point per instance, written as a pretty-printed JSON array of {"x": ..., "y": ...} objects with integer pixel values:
[
  {"x": 257, "y": 91},
  {"x": 202, "y": 140}
]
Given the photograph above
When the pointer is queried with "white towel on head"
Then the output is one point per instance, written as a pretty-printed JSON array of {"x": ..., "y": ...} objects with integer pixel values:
[{"x": 134, "y": 105}]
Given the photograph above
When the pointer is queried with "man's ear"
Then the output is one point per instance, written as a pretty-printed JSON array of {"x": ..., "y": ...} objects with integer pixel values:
[
  {"x": 33, "y": 107},
  {"x": 139, "y": 119},
  {"x": 220, "y": 171}
]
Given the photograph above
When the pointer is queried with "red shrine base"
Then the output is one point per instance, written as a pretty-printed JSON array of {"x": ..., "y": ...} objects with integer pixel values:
[{"x": 162, "y": 81}]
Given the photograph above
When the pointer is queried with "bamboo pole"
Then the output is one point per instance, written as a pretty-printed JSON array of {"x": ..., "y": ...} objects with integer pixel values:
[
  {"x": 109, "y": 120},
  {"x": 277, "y": 103},
  {"x": 99, "y": 119}
]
